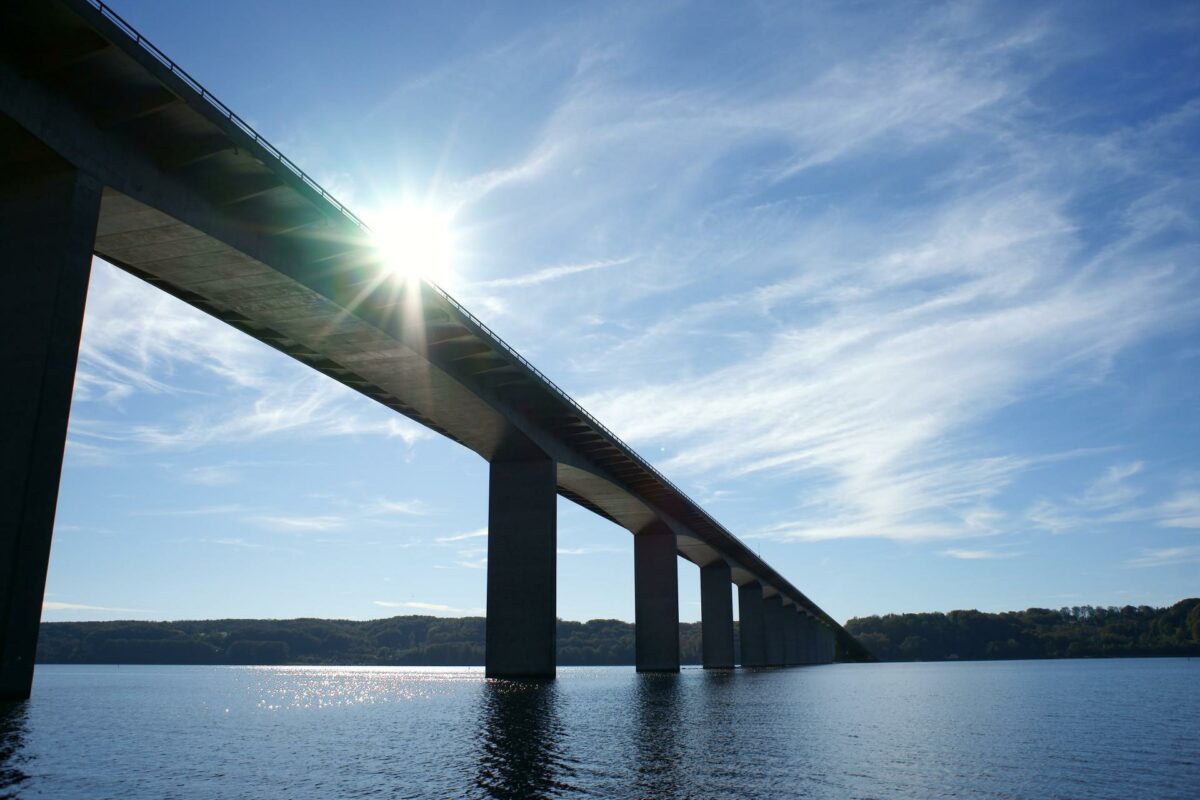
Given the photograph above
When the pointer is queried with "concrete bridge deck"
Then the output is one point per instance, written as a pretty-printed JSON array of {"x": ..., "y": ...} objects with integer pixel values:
[{"x": 101, "y": 133}]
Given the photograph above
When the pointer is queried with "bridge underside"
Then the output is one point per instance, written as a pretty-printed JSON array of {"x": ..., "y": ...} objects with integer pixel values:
[{"x": 106, "y": 147}]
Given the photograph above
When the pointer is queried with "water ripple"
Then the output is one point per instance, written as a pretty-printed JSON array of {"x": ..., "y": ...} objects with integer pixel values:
[{"x": 1004, "y": 730}]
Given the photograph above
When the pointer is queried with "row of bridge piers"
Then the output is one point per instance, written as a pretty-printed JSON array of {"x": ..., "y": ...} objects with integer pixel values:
[
  {"x": 48, "y": 226},
  {"x": 48, "y": 223},
  {"x": 774, "y": 631}
]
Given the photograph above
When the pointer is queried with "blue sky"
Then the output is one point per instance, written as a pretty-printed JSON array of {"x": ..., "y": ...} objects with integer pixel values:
[{"x": 905, "y": 295}]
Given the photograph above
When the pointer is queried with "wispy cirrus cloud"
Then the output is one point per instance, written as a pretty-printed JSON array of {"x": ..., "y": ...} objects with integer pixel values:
[
  {"x": 1111, "y": 499},
  {"x": 57, "y": 605},
  {"x": 976, "y": 555},
  {"x": 211, "y": 475},
  {"x": 422, "y": 606},
  {"x": 551, "y": 274},
  {"x": 1165, "y": 556},
  {"x": 1181, "y": 510},
  {"x": 196, "y": 511},
  {"x": 589, "y": 551},
  {"x": 383, "y": 507},
  {"x": 301, "y": 524},
  {"x": 849, "y": 266},
  {"x": 240, "y": 543},
  {"x": 1095, "y": 505},
  {"x": 481, "y": 533},
  {"x": 171, "y": 349}
]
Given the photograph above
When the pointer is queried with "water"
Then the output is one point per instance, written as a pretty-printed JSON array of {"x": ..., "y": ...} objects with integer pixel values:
[{"x": 1052, "y": 729}]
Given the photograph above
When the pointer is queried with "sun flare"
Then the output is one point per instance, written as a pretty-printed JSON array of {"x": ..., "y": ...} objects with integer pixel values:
[{"x": 415, "y": 241}]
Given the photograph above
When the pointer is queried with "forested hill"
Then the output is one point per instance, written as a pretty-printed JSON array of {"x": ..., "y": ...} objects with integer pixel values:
[
  {"x": 1077, "y": 632},
  {"x": 418, "y": 640},
  {"x": 412, "y": 640}
]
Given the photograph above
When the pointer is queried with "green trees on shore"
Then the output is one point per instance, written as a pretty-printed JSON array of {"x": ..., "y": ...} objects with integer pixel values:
[
  {"x": 1077, "y": 632},
  {"x": 411, "y": 640},
  {"x": 1082, "y": 631}
]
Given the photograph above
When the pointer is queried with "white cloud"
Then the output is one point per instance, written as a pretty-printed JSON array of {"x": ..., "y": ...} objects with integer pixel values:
[
  {"x": 1112, "y": 490},
  {"x": 54, "y": 605},
  {"x": 244, "y": 544},
  {"x": 233, "y": 541},
  {"x": 1165, "y": 556},
  {"x": 551, "y": 274},
  {"x": 427, "y": 607},
  {"x": 587, "y": 551},
  {"x": 402, "y": 507},
  {"x": 211, "y": 475},
  {"x": 460, "y": 537},
  {"x": 200, "y": 511},
  {"x": 1181, "y": 511},
  {"x": 1094, "y": 506},
  {"x": 319, "y": 522},
  {"x": 977, "y": 555},
  {"x": 1110, "y": 500}
]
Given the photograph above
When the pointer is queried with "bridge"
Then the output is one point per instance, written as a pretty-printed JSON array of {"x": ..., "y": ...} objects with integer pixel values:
[{"x": 107, "y": 147}]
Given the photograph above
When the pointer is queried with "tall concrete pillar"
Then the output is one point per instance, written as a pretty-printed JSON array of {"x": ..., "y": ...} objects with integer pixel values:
[
  {"x": 773, "y": 622},
  {"x": 751, "y": 626},
  {"x": 656, "y": 599},
  {"x": 522, "y": 542},
  {"x": 716, "y": 615},
  {"x": 47, "y": 231},
  {"x": 808, "y": 640},
  {"x": 791, "y": 635}
]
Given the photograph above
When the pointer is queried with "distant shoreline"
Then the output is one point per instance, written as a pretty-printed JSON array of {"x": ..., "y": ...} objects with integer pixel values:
[{"x": 1033, "y": 634}]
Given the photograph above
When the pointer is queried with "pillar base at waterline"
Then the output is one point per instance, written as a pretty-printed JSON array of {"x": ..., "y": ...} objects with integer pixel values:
[
  {"x": 522, "y": 537},
  {"x": 656, "y": 600},
  {"x": 716, "y": 615},
  {"x": 751, "y": 626}
]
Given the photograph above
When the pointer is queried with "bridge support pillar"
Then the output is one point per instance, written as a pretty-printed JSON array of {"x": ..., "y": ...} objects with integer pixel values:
[
  {"x": 522, "y": 542},
  {"x": 751, "y": 626},
  {"x": 773, "y": 622},
  {"x": 716, "y": 615},
  {"x": 791, "y": 635},
  {"x": 656, "y": 599},
  {"x": 812, "y": 635},
  {"x": 48, "y": 228}
]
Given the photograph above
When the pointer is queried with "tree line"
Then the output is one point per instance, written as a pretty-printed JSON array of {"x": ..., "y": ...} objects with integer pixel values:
[
  {"x": 1080, "y": 631},
  {"x": 1075, "y": 632},
  {"x": 397, "y": 641}
]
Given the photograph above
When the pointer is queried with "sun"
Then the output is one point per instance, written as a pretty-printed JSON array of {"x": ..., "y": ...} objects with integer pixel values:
[{"x": 415, "y": 242}]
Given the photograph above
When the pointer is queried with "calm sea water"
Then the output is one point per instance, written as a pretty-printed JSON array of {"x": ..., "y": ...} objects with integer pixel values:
[{"x": 1053, "y": 729}]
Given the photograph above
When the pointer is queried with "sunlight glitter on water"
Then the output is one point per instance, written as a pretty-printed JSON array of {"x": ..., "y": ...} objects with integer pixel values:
[{"x": 299, "y": 687}]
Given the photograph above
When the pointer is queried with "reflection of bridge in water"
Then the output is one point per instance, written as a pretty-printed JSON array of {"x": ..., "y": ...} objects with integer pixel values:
[{"x": 107, "y": 147}]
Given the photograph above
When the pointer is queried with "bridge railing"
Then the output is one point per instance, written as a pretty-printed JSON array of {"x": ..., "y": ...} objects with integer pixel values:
[
  {"x": 223, "y": 109},
  {"x": 278, "y": 155}
]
